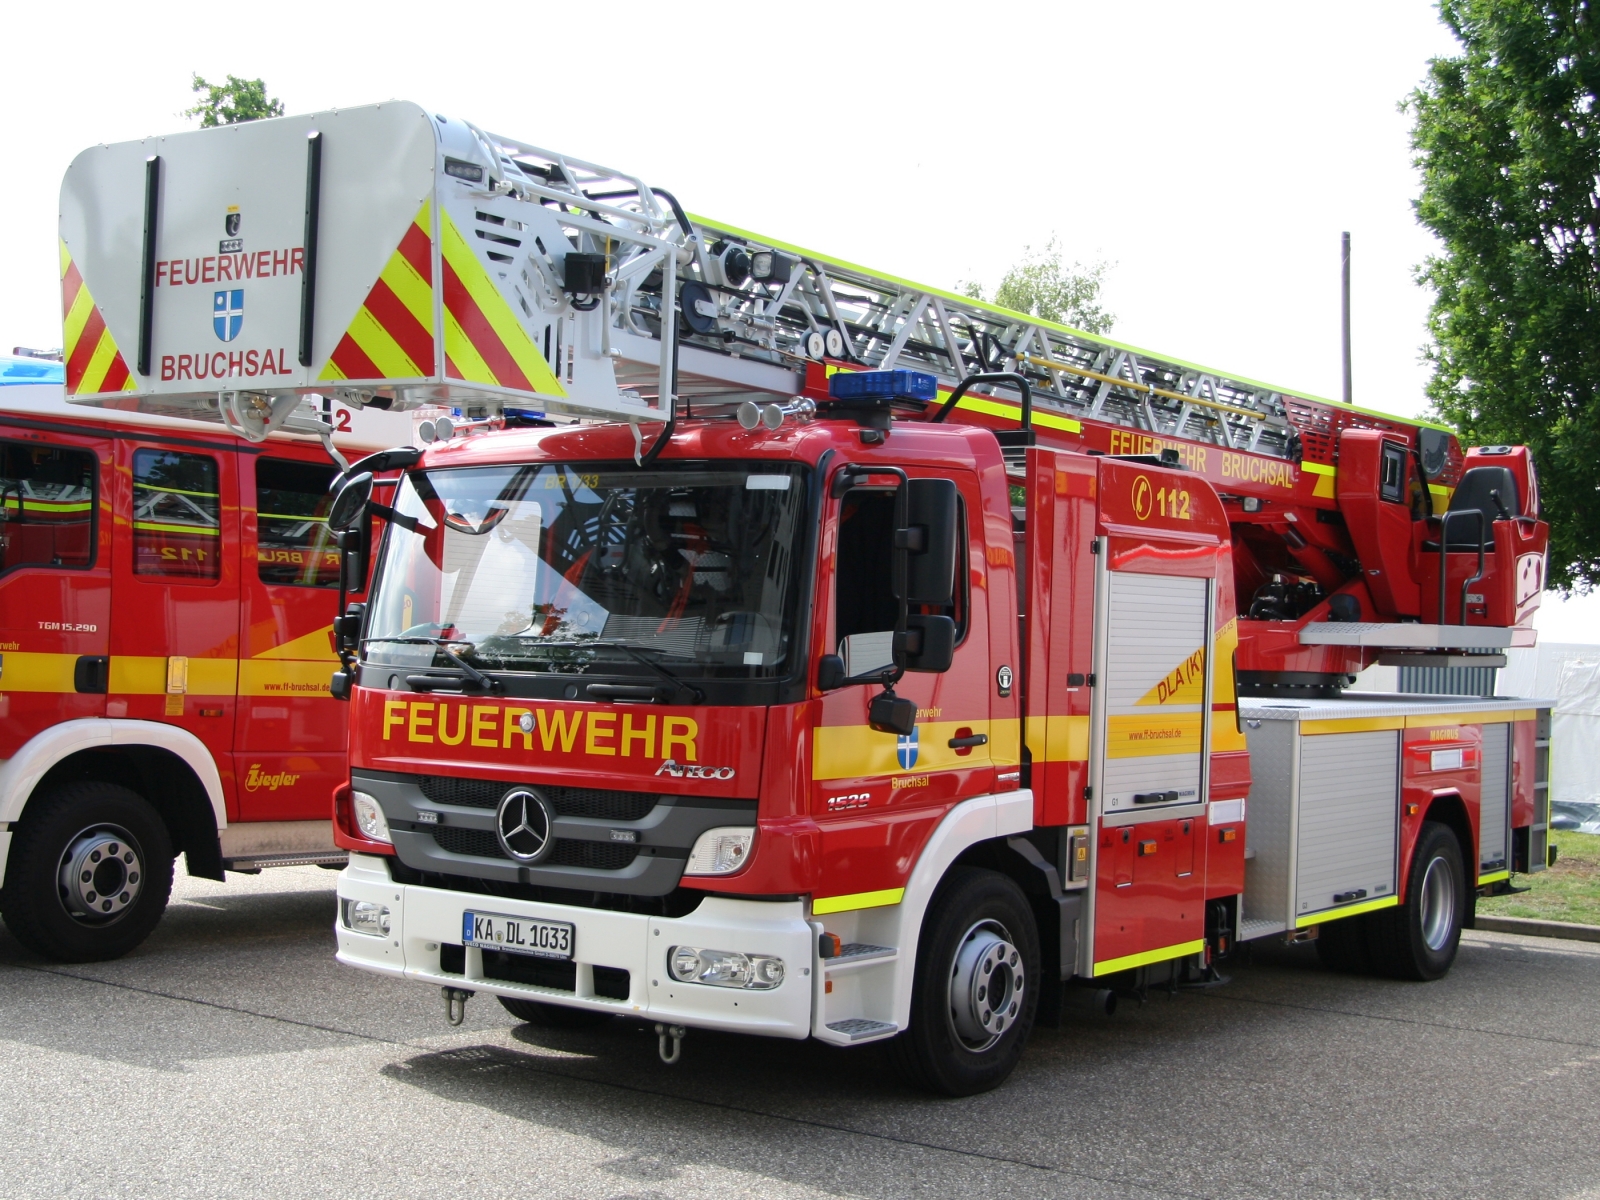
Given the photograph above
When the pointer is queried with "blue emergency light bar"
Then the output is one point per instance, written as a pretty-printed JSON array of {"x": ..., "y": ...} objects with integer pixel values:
[
  {"x": 882, "y": 385},
  {"x": 22, "y": 369}
]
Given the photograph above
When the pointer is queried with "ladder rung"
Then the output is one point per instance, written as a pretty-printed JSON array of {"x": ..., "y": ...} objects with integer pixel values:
[{"x": 1132, "y": 386}]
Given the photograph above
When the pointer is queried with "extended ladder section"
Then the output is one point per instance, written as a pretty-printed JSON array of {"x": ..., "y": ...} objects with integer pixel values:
[
  {"x": 388, "y": 255},
  {"x": 393, "y": 258}
]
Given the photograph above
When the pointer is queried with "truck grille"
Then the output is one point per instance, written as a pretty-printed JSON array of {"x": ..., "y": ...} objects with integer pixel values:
[
  {"x": 568, "y": 852},
  {"x": 566, "y": 801}
]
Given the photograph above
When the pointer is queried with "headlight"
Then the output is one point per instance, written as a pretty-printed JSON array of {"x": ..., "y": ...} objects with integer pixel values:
[
  {"x": 369, "y": 817},
  {"x": 719, "y": 851},
  {"x": 365, "y": 916},
  {"x": 725, "y": 968}
]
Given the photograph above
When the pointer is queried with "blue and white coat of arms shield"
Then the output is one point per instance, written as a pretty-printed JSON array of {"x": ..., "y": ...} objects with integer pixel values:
[
  {"x": 227, "y": 313},
  {"x": 906, "y": 748}
]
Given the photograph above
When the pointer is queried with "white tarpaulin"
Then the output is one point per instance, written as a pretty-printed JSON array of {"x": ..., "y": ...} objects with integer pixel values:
[{"x": 1570, "y": 673}]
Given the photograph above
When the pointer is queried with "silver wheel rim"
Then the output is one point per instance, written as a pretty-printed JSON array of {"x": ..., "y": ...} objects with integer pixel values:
[
  {"x": 1438, "y": 904},
  {"x": 987, "y": 983},
  {"x": 101, "y": 874}
]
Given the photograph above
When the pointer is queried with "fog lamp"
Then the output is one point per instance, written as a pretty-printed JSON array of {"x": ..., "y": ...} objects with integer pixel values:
[
  {"x": 725, "y": 968},
  {"x": 367, "y": 916}
]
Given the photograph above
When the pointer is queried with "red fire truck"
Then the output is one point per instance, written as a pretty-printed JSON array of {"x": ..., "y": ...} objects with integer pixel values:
[
  {"x": 777, "y": 646},
  {"x": 166, "y": 598}
]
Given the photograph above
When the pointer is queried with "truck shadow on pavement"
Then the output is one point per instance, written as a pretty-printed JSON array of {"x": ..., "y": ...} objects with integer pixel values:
[{"x": 1238, "y": 1075}]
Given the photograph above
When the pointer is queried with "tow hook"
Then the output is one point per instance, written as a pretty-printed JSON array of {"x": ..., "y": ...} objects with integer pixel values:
[
  {"x": 674, "y": 1034},
  {"x": 455, "y": 1003}
]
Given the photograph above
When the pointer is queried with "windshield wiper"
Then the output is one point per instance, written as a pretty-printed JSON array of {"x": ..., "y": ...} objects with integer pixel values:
[
  {"x": 448, "y": 645},
  {"x": 637, "y": 653}
]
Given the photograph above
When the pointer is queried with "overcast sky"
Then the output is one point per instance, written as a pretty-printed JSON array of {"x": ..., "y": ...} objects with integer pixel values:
[{"x": 1212, "y": 153}]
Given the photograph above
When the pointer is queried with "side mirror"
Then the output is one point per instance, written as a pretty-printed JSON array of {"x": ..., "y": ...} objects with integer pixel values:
[
  {"x": 930, "y": 643},
  {"x": 831, "y": 674},
  {"x": 353, "y": 561},
  {"x": 931, "y": 538},
  {"x": 339, "y": 686},
  {"x": 350, "y": 505},
  {"x": 889, "y": 713},
  {"x": 347, "y": 629}
]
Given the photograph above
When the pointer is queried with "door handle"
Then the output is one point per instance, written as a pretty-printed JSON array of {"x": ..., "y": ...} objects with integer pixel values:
[
  {"x": 91, "y": 674},
  {"x": 1346, "y": 897},
  {"x": 976, "y": 739},
  {"x": 1154, "y": 797}
]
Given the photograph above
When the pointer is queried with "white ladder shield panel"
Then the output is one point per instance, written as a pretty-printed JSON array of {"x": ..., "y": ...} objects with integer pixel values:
[{"x": 1156, "y": 690}]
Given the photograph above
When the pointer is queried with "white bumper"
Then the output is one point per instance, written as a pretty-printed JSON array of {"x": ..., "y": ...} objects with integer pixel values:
[{"x": 424, "y": 919}]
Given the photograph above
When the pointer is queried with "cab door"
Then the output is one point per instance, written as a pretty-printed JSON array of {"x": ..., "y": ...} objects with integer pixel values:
[
  {"x": 878, "y": 796},
  {"x": 55, "y": 580},
  {"x": 1153, "y": 699},
  {"x": 175, "y": 589},
  {"x": 291, "y": 731}
]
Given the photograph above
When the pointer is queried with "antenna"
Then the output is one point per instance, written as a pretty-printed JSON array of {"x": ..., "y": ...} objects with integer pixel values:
[{"x": 1344, "y": 239}]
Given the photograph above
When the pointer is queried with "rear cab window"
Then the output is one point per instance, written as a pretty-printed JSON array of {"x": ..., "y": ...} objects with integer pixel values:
[
  {"x": 47, "y": 506},
  {"x": 293, "y": 545}
]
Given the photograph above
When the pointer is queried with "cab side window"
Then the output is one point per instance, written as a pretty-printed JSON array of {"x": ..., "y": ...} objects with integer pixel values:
[
  {"x": 293, "y": 545},
  {"x": 47, "y": 506},
  {"x": 177, "y": 523},
  {"x": 863, "y": 578},
  {"x": 864, "y": 600}
]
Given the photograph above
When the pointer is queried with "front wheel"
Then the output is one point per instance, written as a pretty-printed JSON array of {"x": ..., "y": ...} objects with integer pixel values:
[
  {"x": 1419, "y": 939},
  {"x": 89, "y": 873},
  {"x": 976, "y": 987}
]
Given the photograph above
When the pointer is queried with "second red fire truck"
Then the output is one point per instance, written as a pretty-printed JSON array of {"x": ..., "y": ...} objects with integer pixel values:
[
  {"x": 167, "y": 591},
  {"x": 781, "y": 647}
]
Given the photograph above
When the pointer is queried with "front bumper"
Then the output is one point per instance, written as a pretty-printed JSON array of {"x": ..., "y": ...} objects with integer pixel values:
[{"x": 424, "y": 921}]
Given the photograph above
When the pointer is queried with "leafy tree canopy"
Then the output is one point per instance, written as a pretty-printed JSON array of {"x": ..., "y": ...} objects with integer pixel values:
[
  {"x": 1042, "y": 286},
  {"x": 232, "y": 102},
  {"x": 1508, "y": 142}
]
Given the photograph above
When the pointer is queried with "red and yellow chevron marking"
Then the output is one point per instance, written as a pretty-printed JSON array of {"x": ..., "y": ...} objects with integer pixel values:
[
  {"x": 94, "y": 364},
  {"x": 392, "y": 334},
  {"x": 484, "y": 342}
]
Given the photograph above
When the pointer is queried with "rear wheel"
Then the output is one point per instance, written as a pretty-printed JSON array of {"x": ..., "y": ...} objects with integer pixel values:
[
  {"x": 89, "y": 873},
  {"x": 552, "y": 1016},
  {"x": 976, "y": 987},
  {"x": 1419, "y": 939}
]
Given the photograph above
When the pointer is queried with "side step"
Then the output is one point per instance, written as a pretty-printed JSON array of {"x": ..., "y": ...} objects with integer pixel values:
[
  {"x": 309, "y": 858},
  {"x": 1249, "y": 929},
  {"x": 860, "y": 1029}
]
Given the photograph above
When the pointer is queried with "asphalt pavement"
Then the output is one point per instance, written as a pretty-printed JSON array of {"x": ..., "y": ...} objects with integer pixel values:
[{"x": 230, "y": 1056}]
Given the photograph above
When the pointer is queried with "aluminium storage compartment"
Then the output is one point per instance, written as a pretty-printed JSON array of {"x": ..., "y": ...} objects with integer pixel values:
[{"x": 1323, "y": 815}]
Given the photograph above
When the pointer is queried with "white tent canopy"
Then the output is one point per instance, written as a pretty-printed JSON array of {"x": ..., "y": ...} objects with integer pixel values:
[{"x": 1570, "y": 672}]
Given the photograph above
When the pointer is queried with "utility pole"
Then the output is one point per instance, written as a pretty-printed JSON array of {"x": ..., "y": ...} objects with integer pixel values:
[{"x": 1345, "y": 257}]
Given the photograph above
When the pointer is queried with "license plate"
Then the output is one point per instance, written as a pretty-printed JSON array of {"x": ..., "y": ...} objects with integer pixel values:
[{"x": 519, "y": 935}]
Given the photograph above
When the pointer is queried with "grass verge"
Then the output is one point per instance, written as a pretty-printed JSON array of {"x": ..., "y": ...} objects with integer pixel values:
[{"x": 1568, "y": 891}]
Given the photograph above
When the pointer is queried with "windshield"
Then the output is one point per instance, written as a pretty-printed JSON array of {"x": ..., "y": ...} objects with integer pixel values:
[{"x": 564, "y": 568}]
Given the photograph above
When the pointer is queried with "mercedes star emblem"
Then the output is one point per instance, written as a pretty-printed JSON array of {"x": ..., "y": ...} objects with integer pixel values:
[{"x": 522, "y": 823}]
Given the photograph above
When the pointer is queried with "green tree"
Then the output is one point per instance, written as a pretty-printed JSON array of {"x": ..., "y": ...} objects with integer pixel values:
[
  {"x": 1508, "y": 142},
  {"x": 232, "y": 102},
  {"x": 1041, "y": 285}
]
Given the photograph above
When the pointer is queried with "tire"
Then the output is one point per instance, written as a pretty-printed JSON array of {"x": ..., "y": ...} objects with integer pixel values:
[
  {"x": 1418, "y": 940},
  {"x": 1342, "y": 945},
  {"x": 89, "y": 873},
  {"x": 979, "y": 929},
  {"x": 552, "y": 1016}
]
